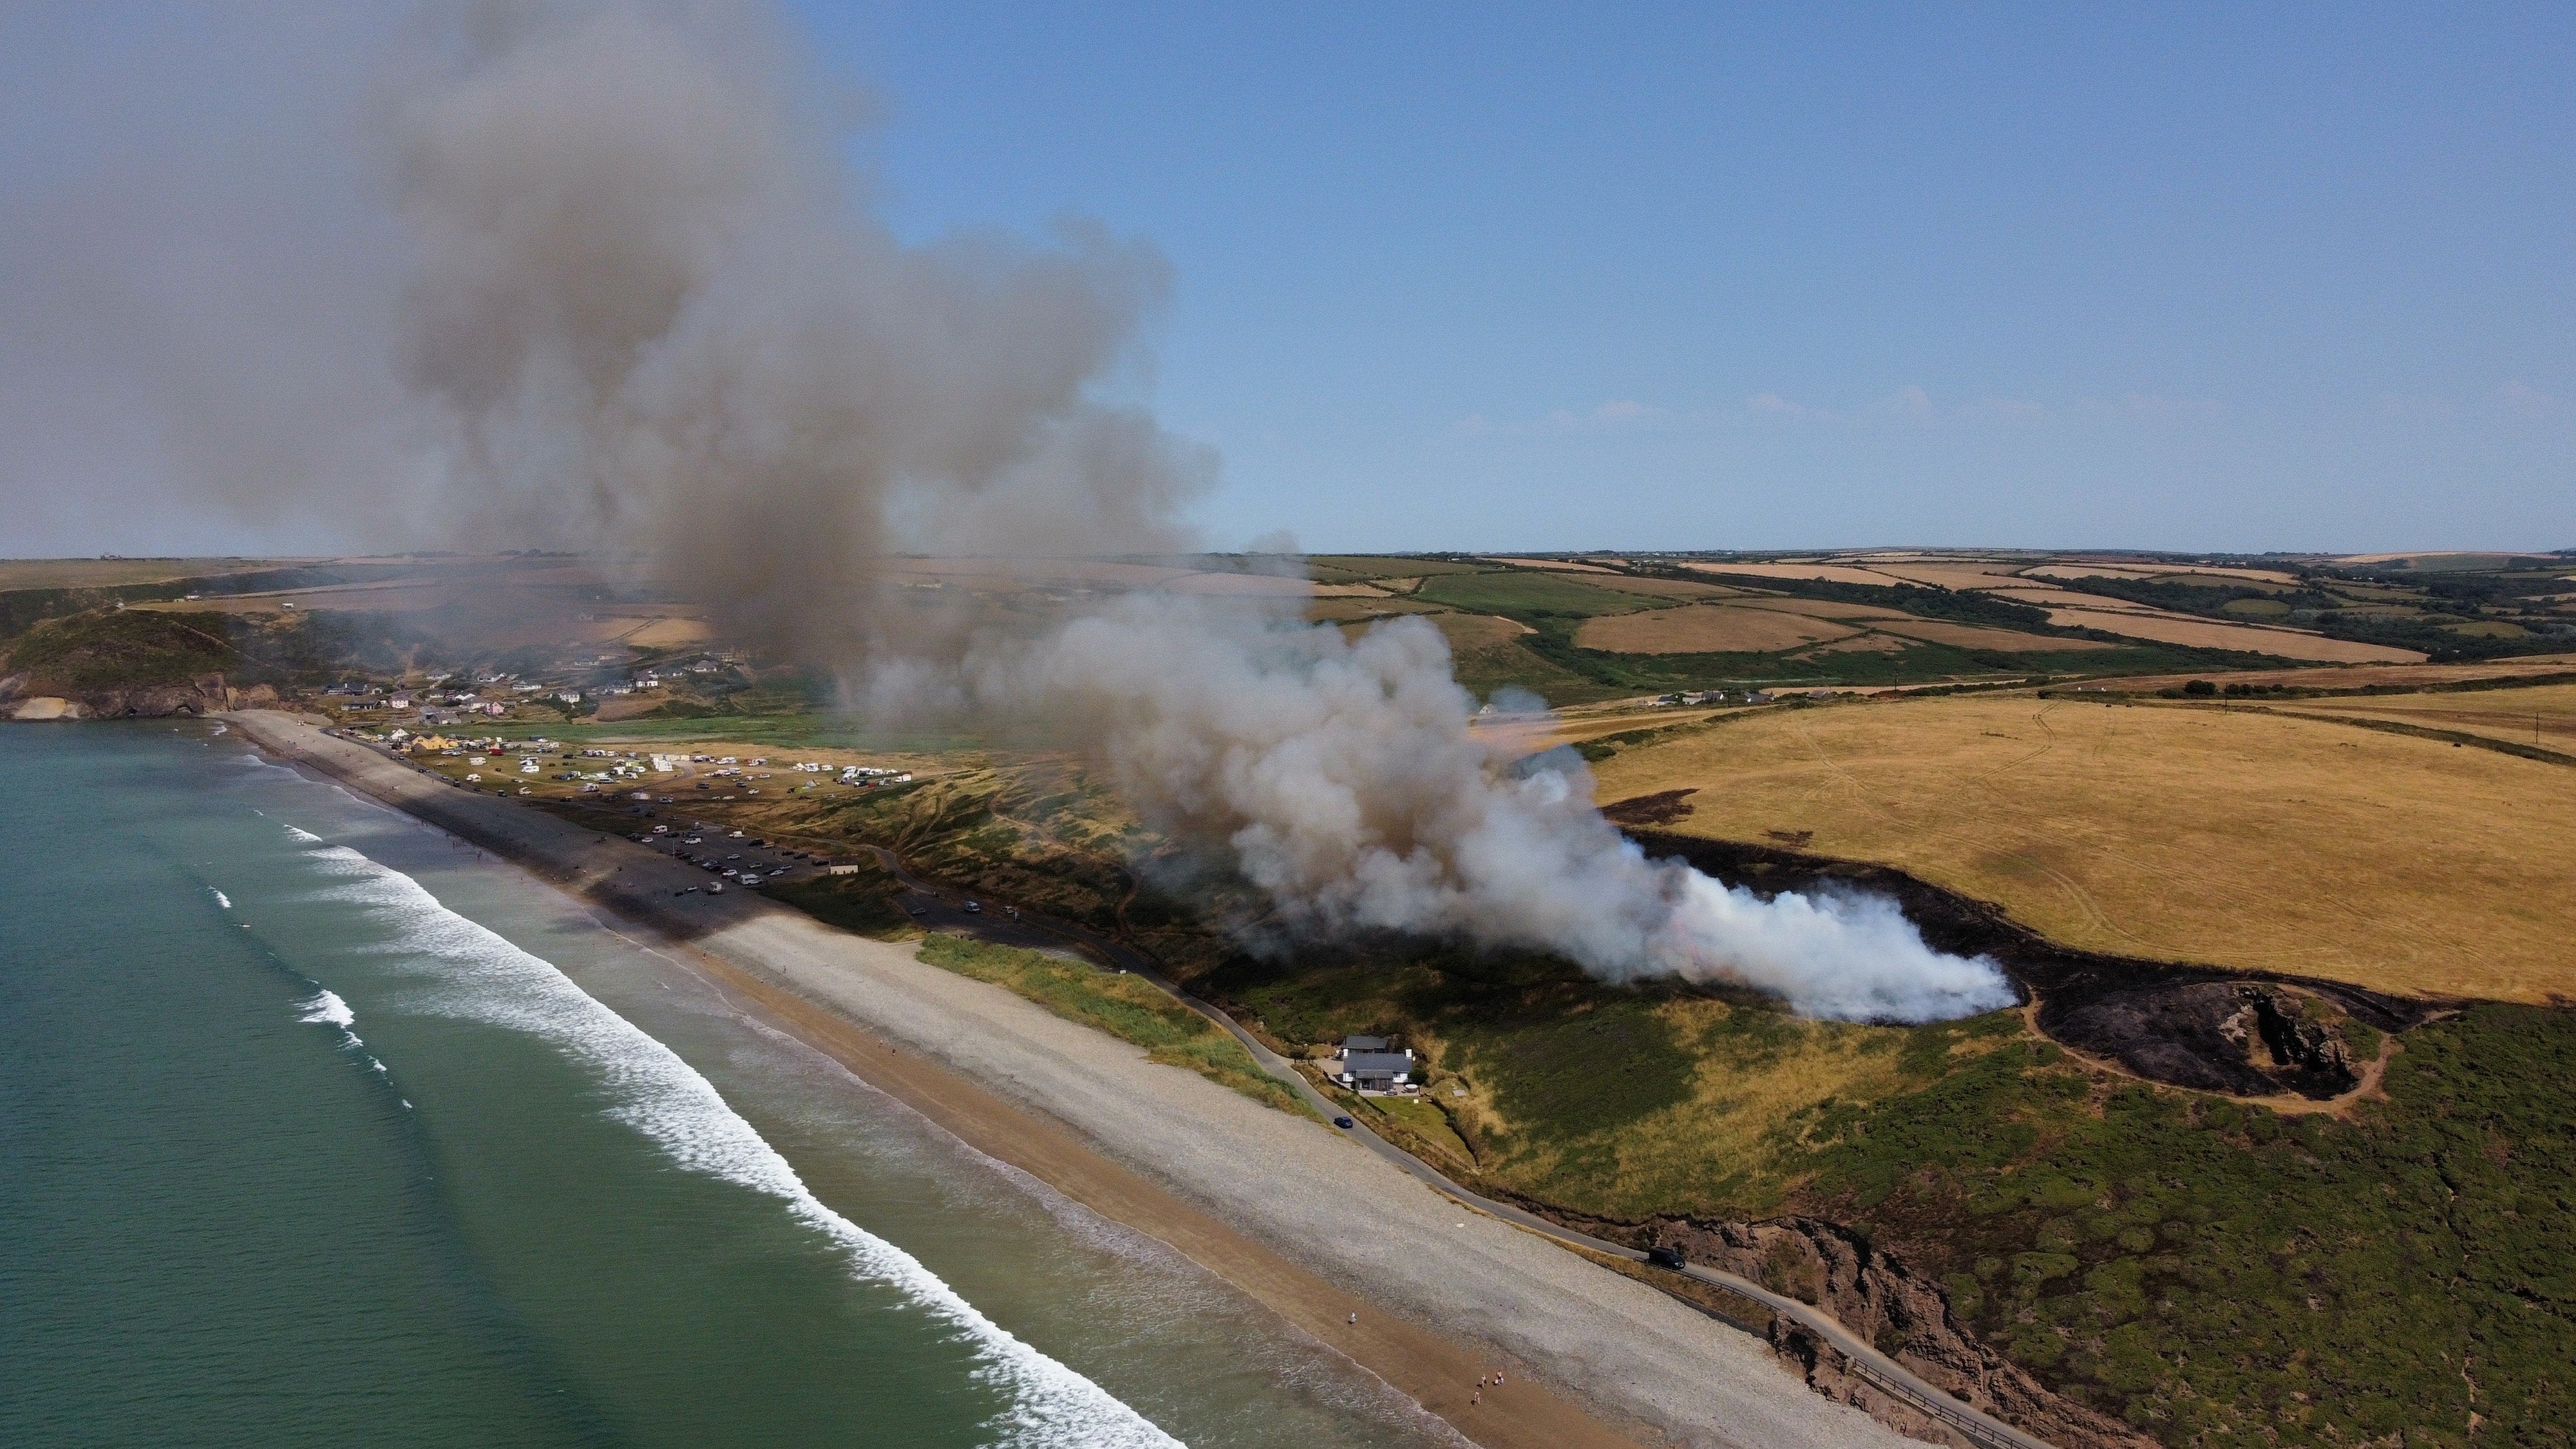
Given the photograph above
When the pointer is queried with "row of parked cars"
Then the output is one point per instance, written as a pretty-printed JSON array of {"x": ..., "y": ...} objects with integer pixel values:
[{"x": 730, "y": 865}]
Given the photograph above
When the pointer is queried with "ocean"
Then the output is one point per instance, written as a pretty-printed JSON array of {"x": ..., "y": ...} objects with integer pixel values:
[{"x": 319, "y": 1128}]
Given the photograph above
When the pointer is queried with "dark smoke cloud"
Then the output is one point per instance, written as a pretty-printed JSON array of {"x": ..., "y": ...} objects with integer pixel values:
[
  {"x": 643, "y": 290},
  {"x": 576, "y": 274},
  {"x": 593, "y": 274}
]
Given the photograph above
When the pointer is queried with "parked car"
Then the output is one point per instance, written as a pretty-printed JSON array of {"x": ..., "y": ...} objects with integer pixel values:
[
  {"x": 1344, "y": 1123},
  {"x": 1665, "y": 1258}
]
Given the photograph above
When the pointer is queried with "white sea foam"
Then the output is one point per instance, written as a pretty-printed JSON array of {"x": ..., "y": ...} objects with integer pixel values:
[
  {"x": 221, "y": 899},
  {"x": 668, "y": 1101},
  {"x": 327, "y": 1007},
  {"x": 305, "y": 836}
]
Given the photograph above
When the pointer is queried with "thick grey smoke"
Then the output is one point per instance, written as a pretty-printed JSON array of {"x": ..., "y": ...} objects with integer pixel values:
[
  {"x": 634, "y": 302},
  {"x": 658, "y": 317}
]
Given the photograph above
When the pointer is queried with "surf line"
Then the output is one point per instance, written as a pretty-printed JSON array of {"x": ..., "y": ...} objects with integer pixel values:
[{"x": 674, "y": 1106}]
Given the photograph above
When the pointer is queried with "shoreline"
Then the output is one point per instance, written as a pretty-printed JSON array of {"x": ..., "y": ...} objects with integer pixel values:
[{"x": 1285, "y": 1211}]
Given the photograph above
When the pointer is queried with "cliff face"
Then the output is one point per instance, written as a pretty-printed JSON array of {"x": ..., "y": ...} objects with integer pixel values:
[
  {"x": 1906, "y": 1315},
  {"x": 23, "y": 696},
  {"x": 125, "y": 664}
]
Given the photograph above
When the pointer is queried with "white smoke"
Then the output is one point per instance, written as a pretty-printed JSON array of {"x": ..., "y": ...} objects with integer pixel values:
[
  {"x": 1343, "y": 777},
  {"x": 622, "y": 292}
]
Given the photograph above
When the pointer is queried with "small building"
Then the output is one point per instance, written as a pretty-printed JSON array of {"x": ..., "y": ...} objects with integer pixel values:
[
  {"x": 1372, "y": 1064},
  {"x": 1375, "y": 1071},
  {"x": 838, "y": 868}
]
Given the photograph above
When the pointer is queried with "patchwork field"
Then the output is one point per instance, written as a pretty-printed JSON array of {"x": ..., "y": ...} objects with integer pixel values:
[
  {"x": 1527, "y": 591},
  {"x": 1971, "y": 636},
  {"x": 1829, "y": 573},
  {"x": 2230, "y": 837},
  {"x": 2209, "y": 634}
]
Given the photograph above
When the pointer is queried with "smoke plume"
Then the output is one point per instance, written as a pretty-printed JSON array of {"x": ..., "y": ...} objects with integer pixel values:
[
  {"x": 655, "y": 315},
  {"x": 636, "y": 303},
  {"x": 1342, "y": 776}
]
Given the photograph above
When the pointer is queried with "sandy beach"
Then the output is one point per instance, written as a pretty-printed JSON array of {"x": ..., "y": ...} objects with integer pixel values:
[{"x": 1282, "y": 1207}]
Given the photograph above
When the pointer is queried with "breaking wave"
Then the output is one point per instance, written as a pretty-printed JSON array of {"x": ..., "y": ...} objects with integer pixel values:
[
  {"x": 670, "y": 1103},
  {"x": 327, "y": 1007}
]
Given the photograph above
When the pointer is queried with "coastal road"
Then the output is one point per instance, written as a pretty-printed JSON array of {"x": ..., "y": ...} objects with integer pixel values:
[{"x": 942, "y": 907}]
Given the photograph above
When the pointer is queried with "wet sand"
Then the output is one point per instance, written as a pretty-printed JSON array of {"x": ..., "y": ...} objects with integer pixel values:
[{"x": 1281, "y": 1207}]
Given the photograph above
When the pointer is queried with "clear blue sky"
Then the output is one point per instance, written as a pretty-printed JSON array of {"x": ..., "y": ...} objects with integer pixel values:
[{"x": 1693, "y": 276}]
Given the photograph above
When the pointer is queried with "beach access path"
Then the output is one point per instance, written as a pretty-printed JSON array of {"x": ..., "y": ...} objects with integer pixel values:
[{"x": 1302, "y": 1217}]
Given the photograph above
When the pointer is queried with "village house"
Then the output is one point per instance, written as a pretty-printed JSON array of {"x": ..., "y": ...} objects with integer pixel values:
[{"x": 1365, "y": 1064}]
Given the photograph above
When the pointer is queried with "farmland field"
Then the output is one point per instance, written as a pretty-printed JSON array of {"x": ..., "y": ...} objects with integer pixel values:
[
  {"x": 2208, "y": 634},
  {"x": 2364, "y": 676},
  {"x": 2234, "y": 838},
  {"x": 95, "y": 573},
  {"x": 1704, "y": 629},
  {"x": 2543, "y": 716},
  {"x": 1520, "y": 593},
  {"x": 1831, "y": 573},
  {"x": 1971, "y": 636}
]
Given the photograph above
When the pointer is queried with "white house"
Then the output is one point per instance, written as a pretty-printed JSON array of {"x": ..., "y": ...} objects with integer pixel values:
[{"x": 1364, "y": 1064}]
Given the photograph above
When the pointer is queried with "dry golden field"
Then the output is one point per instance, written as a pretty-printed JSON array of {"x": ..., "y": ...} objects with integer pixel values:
[
  {"x": 2229, "y": 837},
  {"x": 1949, "y": 576},
  {"x": 2543, "y": 716},
  {"x": 2159, "y": 571},
  {"x": 2209, "y": 634},
  {"x": 2357, "y": 676},
  {"x": 1470, "y": 632},
  {"x": 1976, "y": 636},
  {"x": 1703, "y": 629}
]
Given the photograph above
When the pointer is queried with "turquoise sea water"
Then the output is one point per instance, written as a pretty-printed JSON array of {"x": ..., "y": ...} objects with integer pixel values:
[{"x": 316, "y": 1128}]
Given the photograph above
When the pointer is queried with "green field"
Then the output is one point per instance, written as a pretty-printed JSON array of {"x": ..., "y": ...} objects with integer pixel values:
[
  {"x": 2209, "y": 1272},
  {"x": 1123, "y": 1006},
  {"x": 1529, "y": 596}
]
